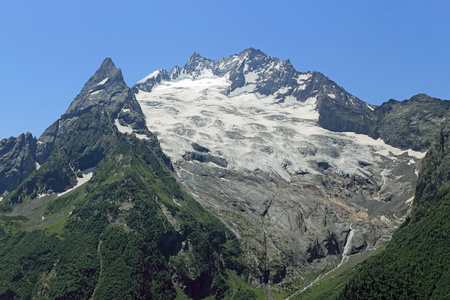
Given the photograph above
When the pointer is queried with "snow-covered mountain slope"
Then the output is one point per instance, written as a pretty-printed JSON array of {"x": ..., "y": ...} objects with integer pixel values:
[
  {"x": 251, "y": 131},
  {"x": 244, "y": 137}
]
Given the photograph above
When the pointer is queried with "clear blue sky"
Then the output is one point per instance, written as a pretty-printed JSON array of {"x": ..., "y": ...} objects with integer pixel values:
[{"x": 376, "y": 50}]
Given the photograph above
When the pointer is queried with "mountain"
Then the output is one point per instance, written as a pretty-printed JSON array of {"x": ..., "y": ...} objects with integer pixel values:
[
  {"x": 409, "y": 124},
  {"x": 252, "y": 71},
  {"x": 227, "y": 178},
  {"x": 289, "y": 161}
]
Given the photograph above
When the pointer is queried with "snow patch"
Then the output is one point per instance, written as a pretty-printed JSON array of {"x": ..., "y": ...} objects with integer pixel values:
[
  {"x": 410, "y": 200},
  {"x": 301, "y": 87},
  {"x": 206, "y": 73},
  {"x": 283, "y": 90},
  {"x": 128, "y": 130},
  {"x": 251, "y": 77},
  {"x": 95, "y": 93},
  {"x": 141, "y": 136},
  {"x": 370, "y": 107},
  {"x": 86, "y": 176},
  {"x": 38, "y": 166},
  {"x": 121, "y": 128},
  {"x": 333, "y": 96},
  {"x": 151, "y": 75},
  {"x": 248, "y": 88},
  {"x": 302, "y": 78},
  {"x": 103, "y": 81},
  {"x": 381, "y": 147}
]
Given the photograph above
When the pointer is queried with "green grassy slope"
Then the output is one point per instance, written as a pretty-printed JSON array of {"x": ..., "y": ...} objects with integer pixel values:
[{"x": 129, "y": 233}]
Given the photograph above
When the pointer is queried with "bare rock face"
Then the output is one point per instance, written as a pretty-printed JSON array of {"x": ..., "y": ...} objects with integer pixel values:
[
  {"x": 297, "y": 227},
  {"x": 17, "y": 161}
]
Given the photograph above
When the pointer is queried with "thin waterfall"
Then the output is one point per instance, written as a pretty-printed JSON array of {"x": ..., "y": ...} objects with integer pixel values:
[
  {"x": 345, "y": 256},
  {"x": 348, "y": 246}
]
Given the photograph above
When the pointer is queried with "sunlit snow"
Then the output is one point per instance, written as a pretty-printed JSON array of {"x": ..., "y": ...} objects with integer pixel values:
[
  {"x": 152, "y": 75},
  {"x": 121, "y": 128},
  {"x": 95, "y": 93},
  {"x": 87, "y": 175},
  {"x": 251, "y": 131},
  {"x": 103, "y": 81},
  {"x": 410, "y": 200}
]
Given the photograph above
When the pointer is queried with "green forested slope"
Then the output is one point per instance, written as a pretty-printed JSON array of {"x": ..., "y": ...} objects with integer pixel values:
[
  {"x": 129, "y": 233},
  {"x": 415, "y": 265}
]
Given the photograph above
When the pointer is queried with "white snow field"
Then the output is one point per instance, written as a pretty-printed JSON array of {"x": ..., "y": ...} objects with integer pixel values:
[{"x": 249, "y": 130}]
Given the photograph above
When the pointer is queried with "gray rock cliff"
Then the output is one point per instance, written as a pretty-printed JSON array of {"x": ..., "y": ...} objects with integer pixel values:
[{"x": 17, "y": 161}]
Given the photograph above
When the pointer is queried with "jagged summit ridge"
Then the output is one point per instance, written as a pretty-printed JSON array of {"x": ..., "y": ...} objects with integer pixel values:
[
  {"x": 106, "y": 69},
  {"x": 252, "y": 71}
]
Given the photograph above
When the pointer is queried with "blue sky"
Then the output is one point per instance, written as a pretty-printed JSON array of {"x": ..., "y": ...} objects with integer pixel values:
[{"x": 376, "y": 50}]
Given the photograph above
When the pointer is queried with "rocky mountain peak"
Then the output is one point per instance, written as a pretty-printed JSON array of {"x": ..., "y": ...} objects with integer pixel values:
[
  {"x": 251, "y": 67},
  {"x": 106, "y": 90},
  {"x": 196, "y": 62},
  {"x": 100, "y": 88},
  {"x": 107, "y": 73},
  {"x": 107, "y": 68},
  {"x": 251, "y": 53},
  {"x": 253, "y": 72},
  {"x": 195, "y": 56}
]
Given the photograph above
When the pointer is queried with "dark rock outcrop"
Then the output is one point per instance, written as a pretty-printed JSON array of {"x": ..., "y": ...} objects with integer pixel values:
[
  {"x": 17, "y": 161},
  {"x": 411, "y": 124},
  {"x": 205, "y": 158},
  {"x": 408, "y": 124}
]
